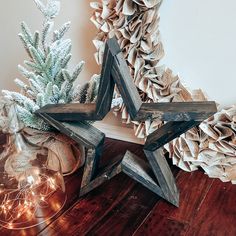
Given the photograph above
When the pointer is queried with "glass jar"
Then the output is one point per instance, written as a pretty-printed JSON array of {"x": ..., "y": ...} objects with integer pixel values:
[{"x": 31, "y": 190}]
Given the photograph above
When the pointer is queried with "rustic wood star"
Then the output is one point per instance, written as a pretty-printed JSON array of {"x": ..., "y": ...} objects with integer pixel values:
[{"x": 71, "y": 119}]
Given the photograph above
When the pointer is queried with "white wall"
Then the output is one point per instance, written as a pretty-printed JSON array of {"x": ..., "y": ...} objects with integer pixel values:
[
  {"x": 200, "y": 43},
  {"x": 11, "y": 50},
  {"x": 199, "y": 39}
]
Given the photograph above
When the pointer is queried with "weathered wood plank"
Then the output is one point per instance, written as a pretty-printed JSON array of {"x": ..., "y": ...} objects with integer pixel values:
[
  {"x": 126, "y": 86},
  {"x": 70, "y": 111},
  {"x": 114, "y": 47},
  {"x": 81, "y": 132},
  {"x": 167, "y": 133},
  {"x": 176, "y": 111},
  {"x": 107, "y": 84},
  {"x": 111, "y": 172},
  {"x": 89, "y": 167},
  {"x": 140, "y": 171},
  {"x": 164, "y": 175},
  {"x": 115, "y": 71}
]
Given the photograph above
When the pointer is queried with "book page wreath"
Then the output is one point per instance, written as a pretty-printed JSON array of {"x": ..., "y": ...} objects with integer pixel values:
[{"x": 135, "y": 23}]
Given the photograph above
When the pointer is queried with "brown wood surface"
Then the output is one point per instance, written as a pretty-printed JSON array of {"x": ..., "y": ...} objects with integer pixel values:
[{"x": 124, "y": 207}]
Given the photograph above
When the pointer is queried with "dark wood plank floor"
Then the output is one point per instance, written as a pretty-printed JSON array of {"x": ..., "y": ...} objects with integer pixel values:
[{"x": 124, "y": 207}]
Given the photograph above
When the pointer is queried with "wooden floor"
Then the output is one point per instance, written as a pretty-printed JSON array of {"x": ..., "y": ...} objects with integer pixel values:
[{"x": 123, "y": 207}]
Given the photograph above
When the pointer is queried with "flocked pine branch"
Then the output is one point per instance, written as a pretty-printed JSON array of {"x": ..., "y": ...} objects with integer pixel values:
[{"x": 48, "y": 79}]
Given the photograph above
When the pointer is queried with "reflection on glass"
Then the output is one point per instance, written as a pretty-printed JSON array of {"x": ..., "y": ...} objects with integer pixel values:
[{"x": 31, "y": 191}]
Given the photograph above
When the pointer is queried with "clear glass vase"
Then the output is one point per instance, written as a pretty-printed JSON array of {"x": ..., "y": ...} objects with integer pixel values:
[{"x": 31, "y": 190}]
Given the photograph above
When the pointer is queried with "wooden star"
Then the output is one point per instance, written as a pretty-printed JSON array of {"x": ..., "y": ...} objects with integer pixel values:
[{"x": 155, "y": 174}]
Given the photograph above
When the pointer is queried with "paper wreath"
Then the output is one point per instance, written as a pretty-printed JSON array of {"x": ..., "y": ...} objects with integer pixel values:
[{"x": 135, "y": 23}]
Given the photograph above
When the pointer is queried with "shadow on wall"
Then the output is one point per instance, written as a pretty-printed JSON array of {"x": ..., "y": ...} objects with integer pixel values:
[
  {"x": 85, "y": 32},
  {"x": 88, "y": 31}
]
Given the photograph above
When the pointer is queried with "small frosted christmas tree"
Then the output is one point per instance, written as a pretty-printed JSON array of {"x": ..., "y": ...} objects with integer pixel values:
[{"x": 49, "y": 80}]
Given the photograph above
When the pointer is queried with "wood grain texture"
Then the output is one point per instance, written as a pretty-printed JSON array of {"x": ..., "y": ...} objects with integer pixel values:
[
  {"x": 216, "y": 215},
  {"x": 163, "y": 175},
  {"x": 167, "y": 133},
  {"x": 162, "y": 227},
  {"x": 107, "y": 84},
  {"x": 90, "y": 209},
  {"x": 89, "y": 167},
  {"x": 140, "y": 171},
  {"x": 113, "y": 46},
  {"x": 155, "y": 175},
  {"x": 163, "y": 183},
  {"x": 125, "y": 84},
  {"x": 80, "y": 132},
  {"x": 193, "y": 187},
  {"x": 176, "y": 111},
  {"x": 165, "y": 219},
  {"x": 127, "y": 215},
  {"x": 70, "y": 111},
  {"x": 111, "y": 172}
]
